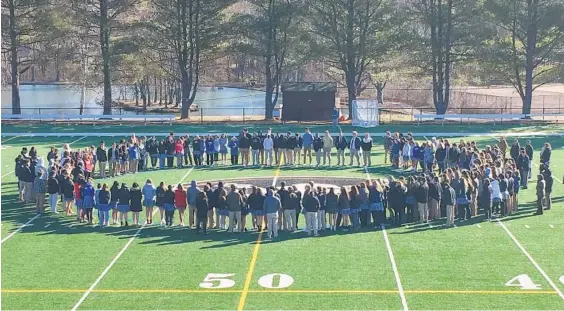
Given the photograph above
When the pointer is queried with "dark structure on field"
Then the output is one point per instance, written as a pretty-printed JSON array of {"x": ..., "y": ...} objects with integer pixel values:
[{"x": 308, "y": 101}]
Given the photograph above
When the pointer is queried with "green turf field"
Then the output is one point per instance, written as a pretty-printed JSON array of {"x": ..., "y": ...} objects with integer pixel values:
[{"x": 54, "y": 263}]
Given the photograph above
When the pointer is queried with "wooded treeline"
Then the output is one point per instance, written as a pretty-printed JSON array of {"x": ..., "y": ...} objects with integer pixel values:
[{"x": 166, "y": 48}]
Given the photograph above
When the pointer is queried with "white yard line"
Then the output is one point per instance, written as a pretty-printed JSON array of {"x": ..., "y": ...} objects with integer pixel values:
[
  {"x": 75, "y": 141},
  {"x": 7, "y": 140},
  {"x": 551, "y": 226},
  {"x": 532, "y": 260},
  {"x": 19, "y": 229},
  {"x": 392, "y": 259},
  {"x": 115, "y": 259},
  {"x": 395, "y": 268},
  {"x": 9, "y": 173}
]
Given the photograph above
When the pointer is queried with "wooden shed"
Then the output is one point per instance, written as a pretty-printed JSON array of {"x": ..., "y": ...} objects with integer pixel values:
[{"x": 308, "y": 101}]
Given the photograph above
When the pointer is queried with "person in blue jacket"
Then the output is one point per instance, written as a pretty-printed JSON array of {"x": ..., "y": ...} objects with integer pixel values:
[
  {"x": 234, "y": 150},
  {"x": 210, "y": 150},
  {"x": 87, "y": 195},
  {"x": 307, "y": 142}
]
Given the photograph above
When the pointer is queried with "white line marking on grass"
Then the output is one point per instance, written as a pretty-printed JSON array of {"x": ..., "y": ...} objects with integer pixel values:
[
  {"x": 551, "y": 226},
  {"x": 6, "y": 174},
  {"x": 395, "y": 268},
  {"x": 524, "y": 251},
  {"x": 20, "y": 228},
  {"x": 7, "y": 140},
  {"x": 392, "y": 259},
  {"x": 527, "y": 226},
  {"x": 479, "y": 226},
  {"x": 115, "y": 259},
  {"x": 75, "y": 141}
]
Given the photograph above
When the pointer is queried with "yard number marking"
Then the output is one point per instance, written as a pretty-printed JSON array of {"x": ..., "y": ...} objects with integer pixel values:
[
  {"x": 267, "y": 281},
  {"x": 524, "y": 282},
  {"x": 222, "y": 278},
  {"x": 284, "y": 280}
]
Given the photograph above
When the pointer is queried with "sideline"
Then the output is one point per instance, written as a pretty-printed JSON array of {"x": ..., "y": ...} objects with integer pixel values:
[{"x": 115, "y": 259}]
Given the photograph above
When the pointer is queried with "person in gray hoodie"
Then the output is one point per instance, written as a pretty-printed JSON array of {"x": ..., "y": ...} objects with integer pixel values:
[
  {"x": 234, "y": 203},
  {"x": 192, "y": 193},
  {"x": 271, "y": 207}
]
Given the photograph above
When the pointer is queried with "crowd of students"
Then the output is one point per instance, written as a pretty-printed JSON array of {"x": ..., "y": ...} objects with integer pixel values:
[{"x": 449, "y": 180}]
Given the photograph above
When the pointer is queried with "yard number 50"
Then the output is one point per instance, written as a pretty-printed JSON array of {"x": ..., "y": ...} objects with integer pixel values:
[{"x": 223, "y": 280}]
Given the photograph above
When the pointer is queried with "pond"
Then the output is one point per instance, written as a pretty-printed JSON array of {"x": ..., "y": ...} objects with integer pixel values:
[{"x": 65, "y": 99}]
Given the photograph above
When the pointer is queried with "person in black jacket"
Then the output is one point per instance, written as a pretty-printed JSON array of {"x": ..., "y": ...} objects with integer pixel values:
[
  {"x": 53, "y": 191},
  {"x": 284, "y": 196},
  {"x": 422, "y": 198},
  {"x": 67, "y": 190},
  {"x": 123, "y": 204},
  {"x": 291, "y": 145},
  {"x": 523, "y": 164},
  {"x": 545, "y": 154},
  {"x": 311, "y": 207},
  {"x": 440, "y": 156},
  {"x": 281, "y": 142},
  {"x": 256, "y": 145},
  {"x": 366, "y": 146},
  {"x": 27, "y": 175},
  {"x": 244, "y": 145},
  {"x": 514, "y": 152},
  {"x": 396, "y": 200},
  {"x": 170, "y": 152},
  {"x": 114, "y": 197},
  {"x": 202, "y": 208},
  {"x": 434, "y": 198},
  {"x": 354, "y": 147},
  {"x": 169, "y": 206},
  {"x": 135, "y": 206},
  {"x": 317, "y": 148},
  {"x": 102, "y": 157},
  {"x": 548, "y": 180},
  {"x": 298, "y": 149}
]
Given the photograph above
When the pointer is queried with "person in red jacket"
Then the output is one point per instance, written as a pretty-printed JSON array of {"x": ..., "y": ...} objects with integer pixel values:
[{"x": 180, "y": 202}]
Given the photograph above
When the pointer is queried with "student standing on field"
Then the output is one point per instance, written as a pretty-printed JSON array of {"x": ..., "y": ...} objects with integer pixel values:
[
  {"x": 422, "y": 197},
  {"x": 366, "y": 146},
  {"x": 53, "y": 190},
  {"x": 169, "y": 206},
  {"x": 180, "y": 202},
  {"x": 149, "y": 194},
  {"x": 307, "y": 140},
  {"x": 271, "y": 207},
  {"x": 541, "y": 186},
  {"x": 102, "y": 157},
  {"x": 268, "y": 145},
  {"x": 123, "y": 204},
  {"x": 135, "y": 203},
  {"x": 202, "y": 208},
  {"x": 290, "y": 209},
  {"x": 449, "y": 199},
  {"x": 327, "y": 146},
  {"x": 104, "y": 206},
  {"x": 341, "y": 144},
  {"x": 354, "y": 147},
  {"x": 234, "y": 203},
  {"x": 291, "y": 144},
  {"x": 318, "y": 148},
  {"x": 192, "y": 198},
  {"x": 39, "y": 186},
  {"x": 311, "y": 206}
]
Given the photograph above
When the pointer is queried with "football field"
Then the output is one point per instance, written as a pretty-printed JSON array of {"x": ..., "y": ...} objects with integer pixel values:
[{"x": 51, "y": 262}]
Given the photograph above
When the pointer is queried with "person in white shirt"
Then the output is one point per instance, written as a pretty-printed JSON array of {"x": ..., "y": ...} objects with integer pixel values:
[
  {"x": 406, "y": 153},
  {"x": 497, "y": 196},
  {"x": 268, "y": 145}
]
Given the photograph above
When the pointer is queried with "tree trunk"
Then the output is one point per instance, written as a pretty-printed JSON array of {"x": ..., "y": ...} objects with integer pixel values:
[
  {"x": 83, "y": 82},
  {"x": 148, "y": 90},
  {"x": 105, "y": 51},
  {"x": 155, "y": 89},
  {"x": 136, "y": 93},
  {"x": 16, "y": 105},
  {"x": 531, "y": 51}
]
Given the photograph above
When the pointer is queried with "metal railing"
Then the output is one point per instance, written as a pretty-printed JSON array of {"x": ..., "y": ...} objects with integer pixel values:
[{"x": 385, "y": 114}]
